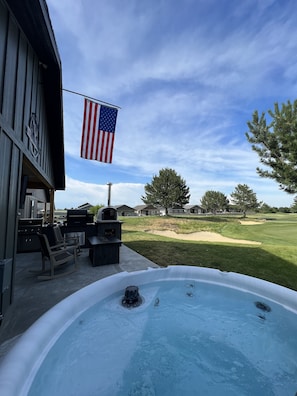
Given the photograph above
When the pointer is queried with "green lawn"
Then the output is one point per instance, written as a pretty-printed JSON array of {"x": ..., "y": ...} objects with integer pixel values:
[{"x": 274, "y": 260}]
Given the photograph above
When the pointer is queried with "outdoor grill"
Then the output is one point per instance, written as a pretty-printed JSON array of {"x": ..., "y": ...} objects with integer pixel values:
[
  {"x": 76, "y": 217},
  {"x": 27, "y": 235}
]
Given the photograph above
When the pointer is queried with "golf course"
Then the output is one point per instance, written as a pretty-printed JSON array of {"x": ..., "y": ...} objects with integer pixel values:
[{"x": 259, "y": 245}]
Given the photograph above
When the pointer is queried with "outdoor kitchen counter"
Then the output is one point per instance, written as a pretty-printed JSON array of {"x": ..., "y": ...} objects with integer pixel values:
[{"x": 104, "y": 250}]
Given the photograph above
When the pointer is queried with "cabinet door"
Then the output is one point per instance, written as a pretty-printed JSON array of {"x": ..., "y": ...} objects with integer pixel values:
[
  {"x": 5, "y": 285},
  {"x": 28, "y": 243}
]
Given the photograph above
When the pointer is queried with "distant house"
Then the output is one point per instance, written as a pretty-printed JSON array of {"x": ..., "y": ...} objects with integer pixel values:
[
  {"x": 86, "y": 206},
  {"x": 176, "y": 210},
  {"x": 125, "y": 210},
  {"x": 193, "y": 209},
  {"x": 146, "y": 210}
]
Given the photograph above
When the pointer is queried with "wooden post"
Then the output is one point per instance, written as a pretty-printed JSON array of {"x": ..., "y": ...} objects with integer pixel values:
[
  {"x": 52, "y": 206},
  {"x": 44, "y": 213}
]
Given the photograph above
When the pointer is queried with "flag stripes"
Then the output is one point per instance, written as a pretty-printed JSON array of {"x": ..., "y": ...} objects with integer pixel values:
[{"x": 98, "y": 132}]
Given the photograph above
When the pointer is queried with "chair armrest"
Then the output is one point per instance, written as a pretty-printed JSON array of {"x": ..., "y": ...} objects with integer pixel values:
[
  {"x": 70, "y": 250},
  {"x": 58, "y": 246},
  {"x": 74, "y": 239}
]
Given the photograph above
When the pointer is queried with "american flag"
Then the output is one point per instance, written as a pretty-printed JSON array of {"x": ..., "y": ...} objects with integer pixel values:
[{"x": 98, "y": 131}]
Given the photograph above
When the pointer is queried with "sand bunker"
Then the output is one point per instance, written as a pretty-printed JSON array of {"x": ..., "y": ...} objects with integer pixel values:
[
  {"x": 206, "y": 236},
  {"x": 243, "y": 222}
]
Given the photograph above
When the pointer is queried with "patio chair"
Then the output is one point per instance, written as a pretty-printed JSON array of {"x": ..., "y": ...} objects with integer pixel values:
[
  {"x": 58, "y": 256},
  {"x": 66, "y": 240}
]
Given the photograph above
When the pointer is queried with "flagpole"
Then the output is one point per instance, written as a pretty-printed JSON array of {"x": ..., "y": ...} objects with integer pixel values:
[
  {"x": 89, "y": 97},
  {"x": 109, "y": 193}
]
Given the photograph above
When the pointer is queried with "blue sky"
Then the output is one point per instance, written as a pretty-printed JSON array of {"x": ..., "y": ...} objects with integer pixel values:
[{"x": 188, "y": 75}]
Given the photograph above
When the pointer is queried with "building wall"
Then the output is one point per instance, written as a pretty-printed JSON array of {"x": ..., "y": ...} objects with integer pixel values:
[
  {"x": 27, "y": 129},
  {"x": 21, "y": 97},
  {"x": 10, "y": 158}
]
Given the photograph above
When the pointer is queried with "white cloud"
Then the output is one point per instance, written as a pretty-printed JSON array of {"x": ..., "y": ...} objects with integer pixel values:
[
  {"x": 187, "y": 78},
  {"x": 78, "y": 193}
]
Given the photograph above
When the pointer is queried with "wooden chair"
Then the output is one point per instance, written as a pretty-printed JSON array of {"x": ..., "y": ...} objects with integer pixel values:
[
  {"x": 66, "y": 240},
  {"x": 58, "y": 256}
]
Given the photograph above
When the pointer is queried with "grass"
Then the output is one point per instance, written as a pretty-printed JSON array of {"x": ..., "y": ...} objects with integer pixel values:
[{"x": 274, "y": 260}]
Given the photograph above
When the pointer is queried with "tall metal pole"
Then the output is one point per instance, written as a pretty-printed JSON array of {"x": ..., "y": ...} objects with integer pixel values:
[
  {"x": 52, "y": 206},
  {"x": 109, "y": 193}
]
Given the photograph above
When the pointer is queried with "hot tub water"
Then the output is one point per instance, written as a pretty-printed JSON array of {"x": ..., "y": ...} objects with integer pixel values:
[
  {"x": 198, "y": 331},
  {"x": 188, "y": 337}
]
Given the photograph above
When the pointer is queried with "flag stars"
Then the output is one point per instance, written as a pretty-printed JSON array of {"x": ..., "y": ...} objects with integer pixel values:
[{"x": 107, "y": 119}]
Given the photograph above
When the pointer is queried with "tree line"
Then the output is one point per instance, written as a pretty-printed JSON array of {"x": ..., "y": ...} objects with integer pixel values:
[
  {"x": 274, "y": 139},
  {"x": 169, "y": 190}
]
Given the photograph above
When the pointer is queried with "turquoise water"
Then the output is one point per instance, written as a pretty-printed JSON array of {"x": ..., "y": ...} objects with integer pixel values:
[{"x": 188, "y": 338}]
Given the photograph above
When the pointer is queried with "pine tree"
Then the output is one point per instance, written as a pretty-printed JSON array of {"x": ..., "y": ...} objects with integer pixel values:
[
  {"x": 294, "y": 206},
  {"x": 244, "y": 198},
  {"x": 214, "y": 201},
  {"x": 166, "y": 190},
  {"x": 276, "y": 144}
]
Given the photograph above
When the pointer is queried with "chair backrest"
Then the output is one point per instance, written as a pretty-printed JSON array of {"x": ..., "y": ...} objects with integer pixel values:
[
  {"x": 58, "y": 235},
  {"x": 44, "y": 245}
]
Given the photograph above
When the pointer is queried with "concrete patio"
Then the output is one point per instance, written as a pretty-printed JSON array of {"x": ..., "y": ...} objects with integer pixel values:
[{"x": 32, "y": 298}]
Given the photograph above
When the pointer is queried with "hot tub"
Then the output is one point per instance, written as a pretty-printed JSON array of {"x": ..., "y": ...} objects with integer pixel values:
[{"x": 195, "y": 331}]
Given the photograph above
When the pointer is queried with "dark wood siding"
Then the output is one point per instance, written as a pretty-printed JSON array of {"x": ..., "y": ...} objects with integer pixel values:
[
  {"x": 23, "y": 95},
  {"x": 27, "y": 89},
  {"x": 3, "y": 37},
  {"x": 9, "y": 187},
  {"x": 20, "y": 88},
  {"x": 8, "y": 105}
]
